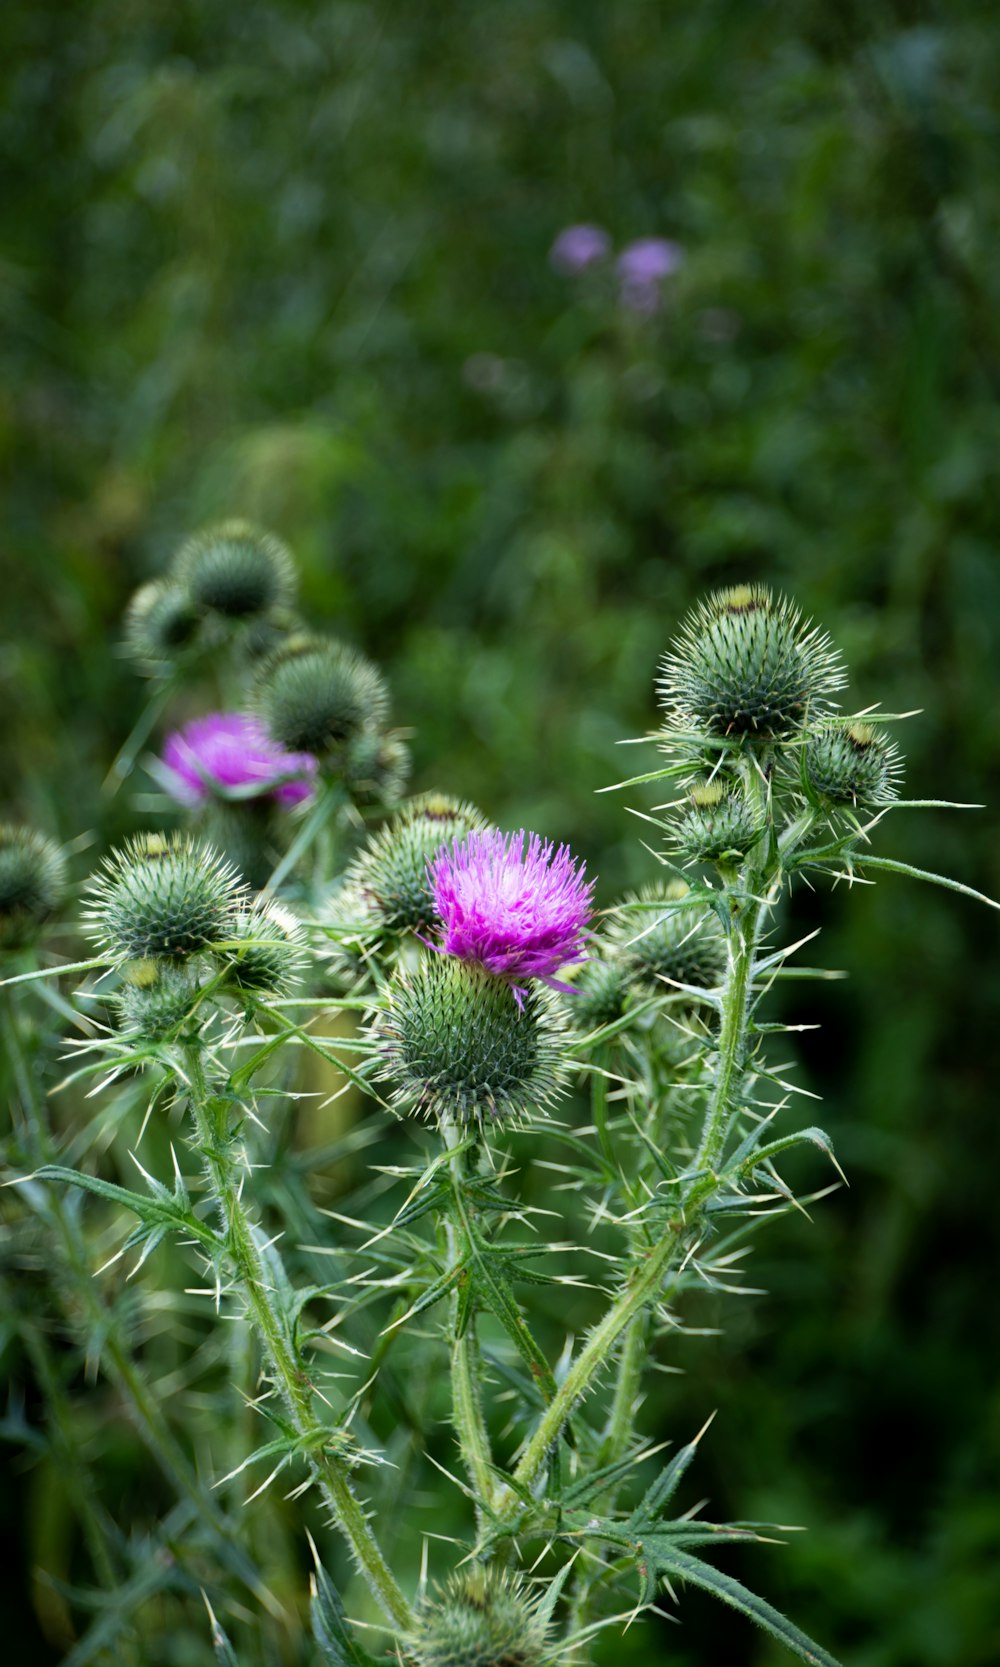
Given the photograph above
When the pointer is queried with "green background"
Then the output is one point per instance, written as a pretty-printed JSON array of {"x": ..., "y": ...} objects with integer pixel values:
[{"x": 290, "y": 262}]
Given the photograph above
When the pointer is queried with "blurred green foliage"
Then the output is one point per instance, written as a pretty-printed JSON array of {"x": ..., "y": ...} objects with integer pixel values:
[{"x": 289, "y": 261}]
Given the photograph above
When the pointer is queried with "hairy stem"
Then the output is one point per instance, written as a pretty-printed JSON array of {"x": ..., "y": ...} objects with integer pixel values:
[{"x": 466, "y": 1361}]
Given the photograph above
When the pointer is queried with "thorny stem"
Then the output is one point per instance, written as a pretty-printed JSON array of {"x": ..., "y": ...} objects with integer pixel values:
[
  {"x": 466, "y": 1363},
  {"x": 211, "y": 1116}
]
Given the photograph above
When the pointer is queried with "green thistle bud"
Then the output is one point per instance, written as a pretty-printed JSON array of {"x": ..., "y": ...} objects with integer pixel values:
[
  {"x": 389, "y": 875},
  {"x": 747, "y": 664},
  {"x": 264, "y": 956},
  {"x": 482, "y": 1618},
  {"x": 376, "y": 768},
  {"x": 457, "y": 1045},
  {"x": 685, "y": 945},
  {"x": 719, "y": 827},
  {"x": 850, "y": 764},
  {"x": 317, "y": 696},
  {"x": 160, "y": 623},
  {"x": 600, "y": 992},
  {"x": 162, "y": 896},
  {"x": 156, "y": 998},
  {"x": 32, "y": 883},
  {"x": 235, "y": 570},
  {"x": 352, "y": 937}
]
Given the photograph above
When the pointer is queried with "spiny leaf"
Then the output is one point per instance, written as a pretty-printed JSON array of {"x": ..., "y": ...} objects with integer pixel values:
[{"x": 738, "y": 1597}]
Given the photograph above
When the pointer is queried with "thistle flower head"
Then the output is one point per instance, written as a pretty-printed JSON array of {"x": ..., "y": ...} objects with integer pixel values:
[
  {"x": 746, "y": 664},
  {"x": 164, "y": 897},
  {"x": 578, "y": 247},
  {"x": 456, "y": 1045},
  {"x": 157, "y": 997},
  {"x": 389, "y": 876},
  {"x": 683, "y": 945},
  {"x": 32, "y": 883},
  {"x": 161, "y": 621},
  {"x": 600, "y": 994},
  {"x": 227, "y": 750},
  {"x": 235, "y": 570},
  {"x": 850, "y": 764},
  {"x": 482, "y": 1618},
  {"x": 317, "y": 696},
  {"x": 263, "y": 956},
  {"x": 519, "y": 911},
  {"x": 720, "y": 825}
]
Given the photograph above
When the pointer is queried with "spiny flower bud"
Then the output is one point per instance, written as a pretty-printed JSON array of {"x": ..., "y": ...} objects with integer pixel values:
[
  {"x": 720, "y": 825},
  {"x": 482, "y": 1618},
  {"x": 389, "y": 875},
  {"x": 317, "y": 696},
  {"x": 235, "y": 570},
  {"x": 600, "y": 992},
  {"x": 156, "y": 998},
  {"x": 850, "y": 764},
  {"x": 376, "y": 768},
  {"x": 684, "y": 945},
  {"x": 457, "y": 1045},
  {"x": 747, "y": 664},
  {"x": 32, "y": 883},
  {"x": 161, "y": 621},
  {"x": 161, "y": 896},
  {"x": 264, "y": 954}
]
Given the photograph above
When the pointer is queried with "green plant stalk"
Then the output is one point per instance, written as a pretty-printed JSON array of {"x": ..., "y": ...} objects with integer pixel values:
[
  {"x": 211, "y": 1120},
  {"x": 117, "y": 1358},
  {"x": 466, "y": 1361}
]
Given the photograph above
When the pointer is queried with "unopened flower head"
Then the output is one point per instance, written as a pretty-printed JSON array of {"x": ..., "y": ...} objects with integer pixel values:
[
  {"x": 679, "y": 943},
  {"x": 377, "y": 767},
  {"x": 600, "y": 992},
  {"x": 719, "y": 826},
  {"x": 850, "y": 764},
  {"x": 456, "y": 1044},
  {"x": 511, "y": 902},
  {"x": 228, "y": 751},
  {"x": 389, "y": 876},
  {"x": 317, "y": 696},
  {"x": 157, "y": 998},
  {"x": 578, "y": 247},
  {"x": 746, "y": 664},
  {"x": 162, "y": 896},
  {"x": 235, "y": 570},
  {"x": 161, "y": 622},
  {"x": 32, "y": 883},
  {"x": 642, "y": 268},
  {"x": 264, "y": 954},
  {"x": 482, "y": 1618}
]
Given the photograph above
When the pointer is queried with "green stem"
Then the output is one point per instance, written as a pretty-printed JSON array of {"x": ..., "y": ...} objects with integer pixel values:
[
  {"x": 211, "y": 1119},
  {"x": 466, "y": 1362}
]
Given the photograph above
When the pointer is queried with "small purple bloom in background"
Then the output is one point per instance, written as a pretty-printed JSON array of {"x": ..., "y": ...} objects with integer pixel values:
[
  {"x": 578, "y": 247},
  {"x": 521, "y": 913},
  {"x": 642, "y": 267},
  {"x": 233, "y": 750}
]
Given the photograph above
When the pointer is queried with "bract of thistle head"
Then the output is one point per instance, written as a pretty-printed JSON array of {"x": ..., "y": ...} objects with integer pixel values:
[
  {"x": 235, "y": 570},
  {"x": 746, "y": 664},
  {"x": 511, "y": 902},
  {"x": 682, "y": 945},
  {"x": 318, "y": 696},
  {"x": 377, "y": 767},
  {"x": 482, "y": 1618},
  {"x": 161, "y": 622},
  {"x": 389, "y": 875},
  {"x": 719, "y": 826},
  {"x": 230, "y": 752},
  {"x": 264, "y": 953},
  {"x": 32, "y": 883},
  {"x": 456, "y": 1045},
  {"x": 157, "y": 998},
  {"x": 162, "y": 896},
  {"x": 850, "y": 764}
]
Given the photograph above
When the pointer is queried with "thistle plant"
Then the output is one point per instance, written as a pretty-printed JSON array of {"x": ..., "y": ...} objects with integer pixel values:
[{"x": 457, "y": 987}]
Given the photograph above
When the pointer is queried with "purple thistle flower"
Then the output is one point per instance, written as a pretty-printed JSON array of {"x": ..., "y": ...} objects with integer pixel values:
[
  {"x": 642, "y": 267},
  {"x": 232, "y": 750},
  {"x": 578, "y": 247},
  {"x": 519, "y": 913}
]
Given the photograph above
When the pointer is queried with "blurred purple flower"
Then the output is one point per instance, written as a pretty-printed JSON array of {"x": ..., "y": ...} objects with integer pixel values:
[
  {"x": 519, "y": 913},
  {"x": 578, "y": 247},
  {"x": 232, "y": 750},
  {"x": 642, "y": 267}
]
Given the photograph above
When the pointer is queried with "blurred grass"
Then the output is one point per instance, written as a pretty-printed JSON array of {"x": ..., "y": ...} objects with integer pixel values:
[{"x": 290, "y": 261}]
